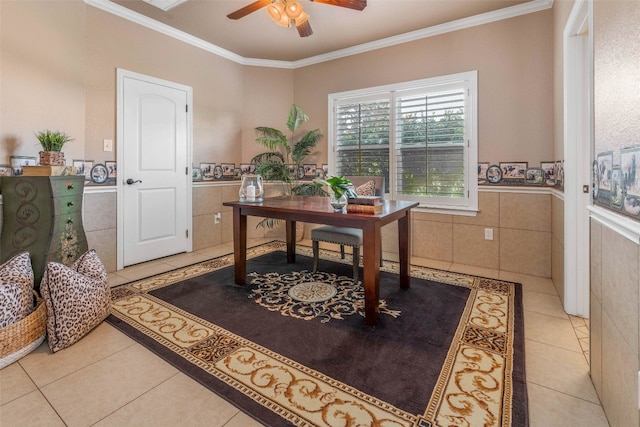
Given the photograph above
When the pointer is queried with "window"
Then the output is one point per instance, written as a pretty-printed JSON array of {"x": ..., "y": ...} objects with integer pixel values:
[{"x": 421, "y": 135}]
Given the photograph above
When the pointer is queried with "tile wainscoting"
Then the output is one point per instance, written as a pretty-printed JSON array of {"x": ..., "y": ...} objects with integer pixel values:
[{"x": 526, "y": 225}]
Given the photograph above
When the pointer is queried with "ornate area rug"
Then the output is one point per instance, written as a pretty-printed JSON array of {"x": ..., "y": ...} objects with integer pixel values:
[{"x": 292, "y": 347}]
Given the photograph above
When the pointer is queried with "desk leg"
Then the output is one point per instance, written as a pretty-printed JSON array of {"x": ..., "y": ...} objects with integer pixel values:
[
  {"x": 371, "y": 275},
  {"x": 404, "y": 250},
  {"x": 291, "y": 241},
  {"x": 239, "y": 246}
]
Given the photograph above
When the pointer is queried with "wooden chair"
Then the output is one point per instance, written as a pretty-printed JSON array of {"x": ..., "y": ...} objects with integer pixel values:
[{"x": 345, "y": 236}]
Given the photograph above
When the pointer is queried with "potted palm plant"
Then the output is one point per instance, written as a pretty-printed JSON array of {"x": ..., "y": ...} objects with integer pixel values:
[
  {"x": 274, "y": 165},
  {"x": 52, "y": 143}
]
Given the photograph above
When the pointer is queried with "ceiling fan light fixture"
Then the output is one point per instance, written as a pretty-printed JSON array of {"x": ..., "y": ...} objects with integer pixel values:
[
  {"x": 302, "y": 18},
  {"x": 278, "y": 13},
  {"x": 294, "y": 9}
]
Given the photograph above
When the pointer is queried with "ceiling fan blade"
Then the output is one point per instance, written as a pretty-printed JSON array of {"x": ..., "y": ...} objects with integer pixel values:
[
  {"x": 304, "y": 29},
  {"x": 350, "y": 4},
  {"x": 241, "y": 13}
]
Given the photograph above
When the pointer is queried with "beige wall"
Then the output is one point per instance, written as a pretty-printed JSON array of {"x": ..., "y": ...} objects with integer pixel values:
[
  {"x": 615, "y": 260},
  {"x": 514, "y": 59},
  {"x": 76, "y": 64}
]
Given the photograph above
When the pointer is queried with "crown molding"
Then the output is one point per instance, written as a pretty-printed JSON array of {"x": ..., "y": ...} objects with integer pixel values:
[{"x": 460, "y": 24}]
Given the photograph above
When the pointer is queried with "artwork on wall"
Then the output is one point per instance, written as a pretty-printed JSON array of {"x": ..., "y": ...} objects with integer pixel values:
[
  {"x": 17, "y": 162},
  {"x": 83, "y": 167},
  {"x": 206, "y": 170},
  {"x": 5, "y": 170},
  {"x": 494, "y": 174},
  {"x": 228, "y": 169},
  {"x": 482, "y": 172},
  {"x": 112, "y": 168},
  {"x": 605, "y": 171},
  {"x": 617, "y": 187},
  {"x": 630, "y": 165},
  {"x": 196, "y": 174},
  {"x": 310, "y": 171},
  {"x": 513, "y": 172},
  {"x": 549, "y": 172},
  {"x": 247, "y": 168},
  {"x": 534, "y": 176},
  {"x": 559, "y": 173}
]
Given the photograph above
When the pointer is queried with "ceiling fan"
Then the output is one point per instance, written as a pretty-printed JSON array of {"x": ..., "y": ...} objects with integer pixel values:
[{"x": 286, "y": 12}]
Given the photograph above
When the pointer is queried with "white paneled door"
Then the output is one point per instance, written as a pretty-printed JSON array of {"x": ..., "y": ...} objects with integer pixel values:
[{"x": 154, "y": 177}]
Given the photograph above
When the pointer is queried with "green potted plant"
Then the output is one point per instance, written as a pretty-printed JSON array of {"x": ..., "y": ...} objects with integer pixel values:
[
  {"x": 52, "y": 143},
  {"x": 341, "y": 188},
  {"x": 273, "y": 165}
]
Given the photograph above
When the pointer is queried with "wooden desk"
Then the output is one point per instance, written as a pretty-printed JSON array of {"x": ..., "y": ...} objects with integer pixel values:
[{"x": 318, "y": 210}]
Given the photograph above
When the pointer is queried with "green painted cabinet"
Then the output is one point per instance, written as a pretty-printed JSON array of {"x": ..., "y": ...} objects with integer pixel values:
[{"x": 43, "y": 216}]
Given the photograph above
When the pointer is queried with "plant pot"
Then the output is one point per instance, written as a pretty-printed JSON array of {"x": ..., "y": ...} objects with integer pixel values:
[
  {"x": 51, "y": 158},
  {"x": 338, "y": 203}
]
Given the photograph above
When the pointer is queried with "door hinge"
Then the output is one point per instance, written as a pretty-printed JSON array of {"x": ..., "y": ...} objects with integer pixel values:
[
  {"x": 186, "y": 108},
  {"x": 186, "y": 170},
  {"x": 187, "y": 233}
]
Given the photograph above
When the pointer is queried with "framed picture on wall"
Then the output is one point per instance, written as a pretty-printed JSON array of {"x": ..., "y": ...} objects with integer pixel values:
[
  {"x": 5, "y": 170},
  {"x": 112, "y": 168},
  {"x": 206, "y": 170},
  {"x": 228, "y": 169},
  {"x": 630, "y": 165},
  {"x": 513, "y": 171},
  {"x": 534, "y": 176},
  {"x": 310, "y": 171},
  {"x": 617, "y": 183},
  {"x": 549, "y": 172},
  {"x": 605, "y": 170},
  {"x": 17, "y": 162},
  {"x": 83, "y": 167},
  {"x": 482, "y": 172},
  {"x": 247, "y": 168}
]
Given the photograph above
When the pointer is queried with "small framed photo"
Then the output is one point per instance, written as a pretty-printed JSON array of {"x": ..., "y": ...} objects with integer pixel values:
[
  {"x": 293, "y": 170},
  {"x": 247, "y": 168},
  {"x": 112, "y": 169},
  {"x": 237, "y": 173},
  {"x": 196, "y": 174},
  {"x": 494, "y": 174},
  {"x": 5, "y": 170},
  {"x": 534, "y": 176},
  {"x": 559, "y": 172},
  {"x": 549, "y": 169},
  {"x": 513, "y": 171},
  {"x": 630, "y": 165},
  {"x": 207, "y": 171},
  {"x": 228, "y": 169},
  {"x": 320, "y": 173},
  {"x": 617, "y": 183},
  {"x": 83, "y": 167},
  {"x": 482, "y": 172},
  {"x": 325, "y": 169},
  {"x": 310, "y": 171},
  {"x": 17, "y": 162}
]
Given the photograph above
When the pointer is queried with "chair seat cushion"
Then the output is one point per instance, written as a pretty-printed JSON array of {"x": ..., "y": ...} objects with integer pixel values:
[{"x": 339, "y": 235}]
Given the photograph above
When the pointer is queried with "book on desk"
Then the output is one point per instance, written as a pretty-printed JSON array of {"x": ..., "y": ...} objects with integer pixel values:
[{"x": 365, "y": 204}]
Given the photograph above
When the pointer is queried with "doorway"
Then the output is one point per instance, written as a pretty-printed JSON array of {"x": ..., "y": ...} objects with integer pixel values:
[
  {"x": 578, "y": 154},
  {"x": 154, "y": 143}
]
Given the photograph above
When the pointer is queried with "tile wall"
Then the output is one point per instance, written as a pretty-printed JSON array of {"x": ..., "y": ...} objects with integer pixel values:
[
  {"x": 520, "y": 221},
  {"x": 614, "y": 323}
]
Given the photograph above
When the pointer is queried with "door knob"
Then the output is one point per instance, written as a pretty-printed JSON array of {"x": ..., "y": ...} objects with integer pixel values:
[{"x": 131, "y": 181}]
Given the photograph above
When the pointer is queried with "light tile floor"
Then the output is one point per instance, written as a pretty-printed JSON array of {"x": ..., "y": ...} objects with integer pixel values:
[{"x": 107, "y": 379}]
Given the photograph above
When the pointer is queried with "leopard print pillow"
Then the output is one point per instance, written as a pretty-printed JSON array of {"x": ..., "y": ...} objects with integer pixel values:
[
  {"x": 16, "y": 289},
  {"x": 77, "y": 298},
  {"x": 366, "y": 189}
]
